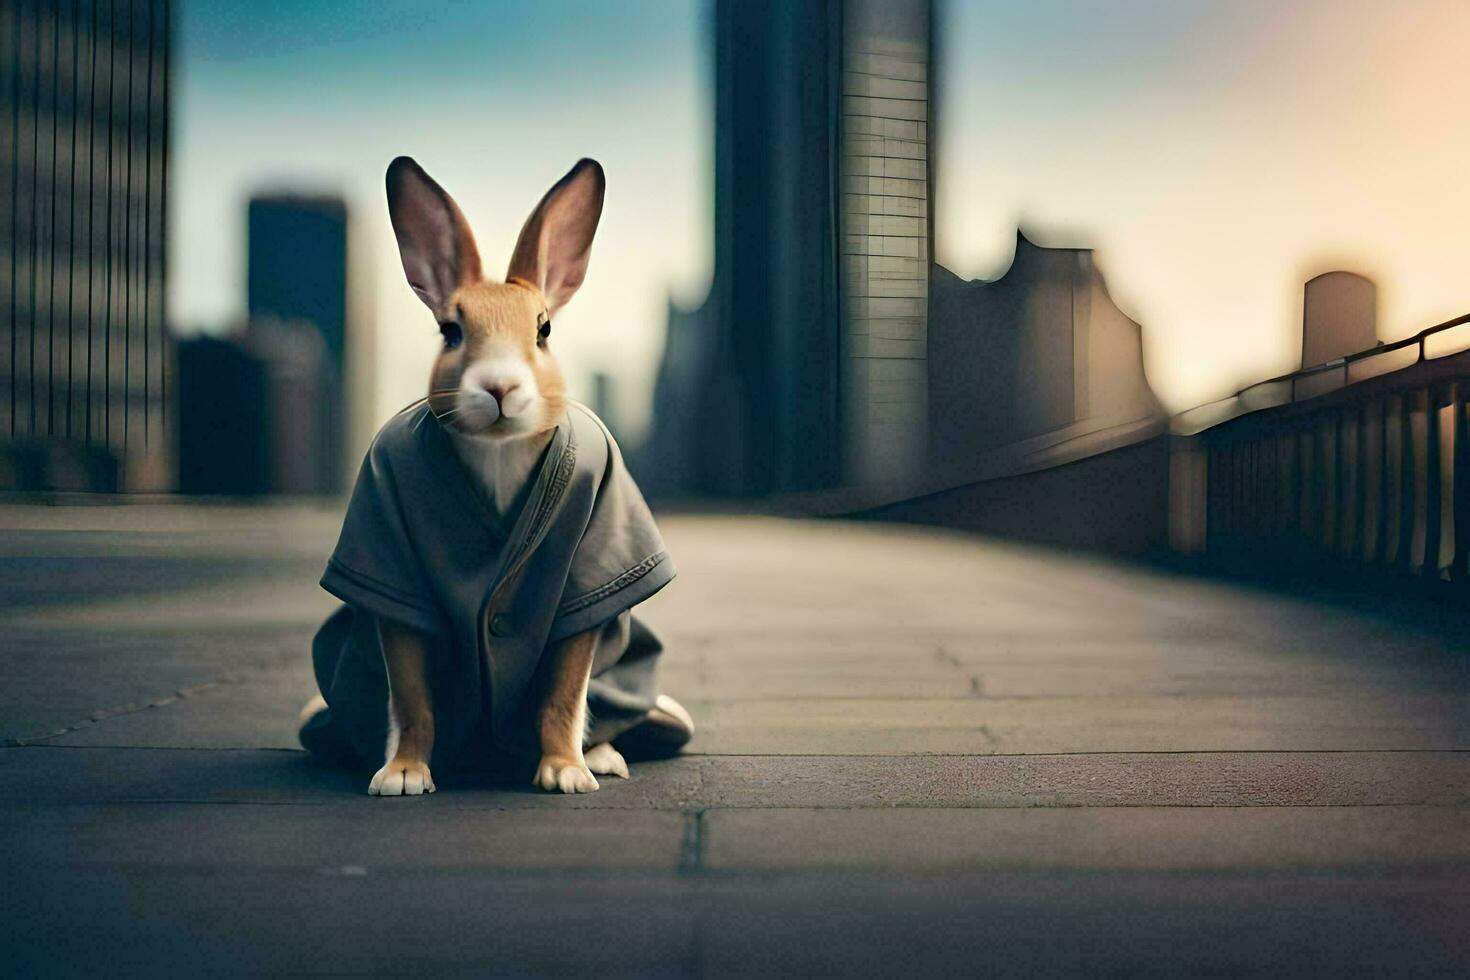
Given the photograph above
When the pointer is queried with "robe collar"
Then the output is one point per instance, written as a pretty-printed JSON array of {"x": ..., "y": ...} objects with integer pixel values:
[{"x": 519, "y": 531}]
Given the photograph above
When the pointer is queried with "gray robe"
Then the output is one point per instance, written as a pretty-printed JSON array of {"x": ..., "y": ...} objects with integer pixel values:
[{"x": 420, "y": 546}]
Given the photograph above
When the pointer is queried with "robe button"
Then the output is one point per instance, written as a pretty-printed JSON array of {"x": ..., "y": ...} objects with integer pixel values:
[{"x": 500, "y": 625}]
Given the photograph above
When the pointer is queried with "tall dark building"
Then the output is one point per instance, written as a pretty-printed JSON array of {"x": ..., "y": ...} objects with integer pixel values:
[
  {"x": 84, "y": 391},
  {"x": 804, "y": 368},
  {"x": 297, "y": 275},
  {"x": 772, "y": 385},
  {"x": 768, "y": 384}
]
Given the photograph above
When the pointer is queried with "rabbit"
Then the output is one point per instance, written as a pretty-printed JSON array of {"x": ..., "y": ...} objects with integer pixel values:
[{"x": 497, "y": 391}]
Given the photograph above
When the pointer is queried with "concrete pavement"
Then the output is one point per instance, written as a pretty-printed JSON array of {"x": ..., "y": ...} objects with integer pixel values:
[{"x": 918, "y": 752}]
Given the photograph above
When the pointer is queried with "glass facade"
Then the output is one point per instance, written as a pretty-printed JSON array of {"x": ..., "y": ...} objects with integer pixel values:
[{"x": 83, "y": 162}]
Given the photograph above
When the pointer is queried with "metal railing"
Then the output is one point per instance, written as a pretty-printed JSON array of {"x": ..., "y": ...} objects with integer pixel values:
[
  {"x": 1437, "y": 341},
  {"x": 1365, "y": 458}
]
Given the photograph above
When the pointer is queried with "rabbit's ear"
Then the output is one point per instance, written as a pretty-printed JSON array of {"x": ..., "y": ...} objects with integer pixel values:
[
  {"x": 556, "y": 241},
  {"x": 434, "y": 240}
]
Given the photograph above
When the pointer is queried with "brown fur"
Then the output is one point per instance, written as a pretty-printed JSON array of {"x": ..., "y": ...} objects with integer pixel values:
[{"x": 489, "y": 311}]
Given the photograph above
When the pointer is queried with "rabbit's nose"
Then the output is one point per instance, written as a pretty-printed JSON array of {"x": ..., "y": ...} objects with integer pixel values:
[{"x": 500, "y": 389}]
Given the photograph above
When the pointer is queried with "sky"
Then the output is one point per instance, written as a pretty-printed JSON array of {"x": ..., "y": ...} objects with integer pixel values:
[{"x": 1216, "y": 153}]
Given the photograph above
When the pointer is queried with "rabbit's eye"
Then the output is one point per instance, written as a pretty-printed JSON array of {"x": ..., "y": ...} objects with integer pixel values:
[
  {"x": 453, "y": 334},
  {"x": 543, "y": 332}
]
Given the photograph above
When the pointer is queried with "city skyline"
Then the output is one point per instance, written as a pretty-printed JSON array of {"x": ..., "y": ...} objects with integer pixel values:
[{"x": 1049, "y": 118}]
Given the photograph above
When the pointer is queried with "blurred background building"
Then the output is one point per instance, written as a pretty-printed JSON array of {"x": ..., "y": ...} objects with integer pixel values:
[
  {"x": 297, "y": 275},
  {"x": 256, "y": 409},
  {"x": 887, "y": 235},
  {"x": 1037, "y": 363},
  {"x": 833, "y": 352},
  {"x": 85, "y": 403},
  {"x": 748, "y": 398},
  {"x": 1339, "y": 316},
  {"x": 804, "y": 368},
  {"x": 279, "y": 385}
]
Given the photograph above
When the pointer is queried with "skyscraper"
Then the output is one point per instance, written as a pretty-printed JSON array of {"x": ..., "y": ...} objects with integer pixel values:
[
  {"x": 809, "y": 350},
  {"x": 297, "y": 271},
  {"x": 84, "y": 392}
]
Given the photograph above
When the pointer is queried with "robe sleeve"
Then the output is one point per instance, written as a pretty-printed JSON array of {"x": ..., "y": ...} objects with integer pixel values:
[
  {"x": 621, "y": 559},
  {"x": 374, "y": 566}
]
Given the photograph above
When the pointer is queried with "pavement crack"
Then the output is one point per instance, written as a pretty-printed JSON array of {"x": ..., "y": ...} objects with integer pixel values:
[
  {"x": 977, "y": 686},
  {"x": 103, "y": 714},
  {"x": 990, "y": 737},
  {"x": 945, "y": 657},
  {"x": 691, "y": 851}
]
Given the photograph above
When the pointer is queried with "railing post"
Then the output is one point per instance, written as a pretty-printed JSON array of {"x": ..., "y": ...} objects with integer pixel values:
[
  {"x": 1350, "y": 502},
  {"x": 1461, "y": 490},
  {"x": 1373, "y": 473},
  {"x": 1189, "y": 478},
  {"x": 1306, "y": 521},
  {"x": 1445, "y": 413},
  {"x": 1327, "y": 466},
  {"x": 1284, "y": 446},
  {"x": 1397, "y": 512},
  {"x": 1418, "y": 463}
]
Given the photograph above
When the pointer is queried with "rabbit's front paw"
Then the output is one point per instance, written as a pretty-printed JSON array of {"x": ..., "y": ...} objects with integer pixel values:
[
  {"x": 568, "y": 775},
  {"x": 402, "y": 777}
]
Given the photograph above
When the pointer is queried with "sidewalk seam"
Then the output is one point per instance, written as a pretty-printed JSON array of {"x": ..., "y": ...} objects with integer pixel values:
[{"x": 691, "y": 851}]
